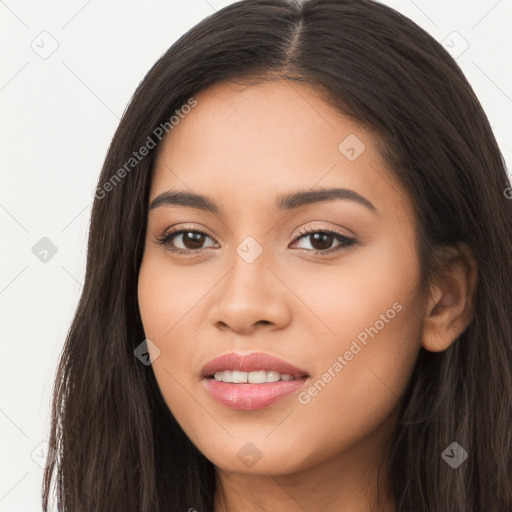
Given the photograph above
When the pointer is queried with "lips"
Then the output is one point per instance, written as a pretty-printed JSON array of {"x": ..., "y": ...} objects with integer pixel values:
[
  {"x": 251, "y": 396},
  {"x": 250, "y": 363}
]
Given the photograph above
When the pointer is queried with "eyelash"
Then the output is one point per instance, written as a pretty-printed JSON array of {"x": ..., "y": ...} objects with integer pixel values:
[{"x": 345, "y": 241}]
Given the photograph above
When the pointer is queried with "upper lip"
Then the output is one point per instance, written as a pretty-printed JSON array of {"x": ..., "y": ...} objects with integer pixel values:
[{"x": 250, "y": 363}]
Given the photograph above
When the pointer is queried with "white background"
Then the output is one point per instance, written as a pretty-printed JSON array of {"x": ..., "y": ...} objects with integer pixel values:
[{"x": 58, "y": 115}]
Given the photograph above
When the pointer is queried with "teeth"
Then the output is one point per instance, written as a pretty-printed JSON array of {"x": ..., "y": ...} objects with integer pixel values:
[
  {"x": 272, "y": 376},
  {"x": 258, "y": 377},
  {"x": 239, "y": 377}
]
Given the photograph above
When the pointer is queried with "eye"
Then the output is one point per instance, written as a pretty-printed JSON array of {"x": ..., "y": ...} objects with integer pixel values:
[
  {"x": 188, "y": 241},
  {"x": 321, "y": 240},
  {"x": 183, "y": 241}
]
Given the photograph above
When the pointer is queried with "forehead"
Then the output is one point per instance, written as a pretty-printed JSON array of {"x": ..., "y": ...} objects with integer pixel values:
[{"x": 271, "y": 138}]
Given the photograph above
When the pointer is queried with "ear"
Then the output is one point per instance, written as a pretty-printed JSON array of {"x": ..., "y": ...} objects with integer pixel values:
[{"x": 450, "y": 306}]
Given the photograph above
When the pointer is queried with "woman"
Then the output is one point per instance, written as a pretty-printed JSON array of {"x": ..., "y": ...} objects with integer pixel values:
[{"x": 298, "y": 291}]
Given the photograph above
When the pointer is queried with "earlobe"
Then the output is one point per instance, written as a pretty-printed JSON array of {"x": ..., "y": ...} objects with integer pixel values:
[{"x": 450, "y": 307}]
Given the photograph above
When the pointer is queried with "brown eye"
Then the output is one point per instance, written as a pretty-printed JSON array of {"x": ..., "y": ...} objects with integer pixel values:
[
  {"x": 184, "y": 241},
  {"x": 193, "y": 240},
  {"x": 321, "y": 241}
]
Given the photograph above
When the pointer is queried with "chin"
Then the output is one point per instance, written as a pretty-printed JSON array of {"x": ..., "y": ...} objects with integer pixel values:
[{"x": 260, "y": 459}]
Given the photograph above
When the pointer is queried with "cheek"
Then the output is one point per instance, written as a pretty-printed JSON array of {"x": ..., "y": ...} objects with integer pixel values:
[
  {"x": 367, "y": 329},
  {"x": 167, "y": 297},
  {"x": 168, "y": 304},
  {"x": 372, "y": 295},
  {"x": 359, "y": 373}
]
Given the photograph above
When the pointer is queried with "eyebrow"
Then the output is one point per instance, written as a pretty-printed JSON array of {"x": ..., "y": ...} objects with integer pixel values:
[{"x": 286, "y": 202}]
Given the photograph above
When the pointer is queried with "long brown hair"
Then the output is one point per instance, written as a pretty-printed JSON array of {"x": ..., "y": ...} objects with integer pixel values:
[{"x": 117, "y": 445}]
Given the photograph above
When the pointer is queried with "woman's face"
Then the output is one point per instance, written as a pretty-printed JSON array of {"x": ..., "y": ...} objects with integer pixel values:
[{"x": 270, "y": 262}]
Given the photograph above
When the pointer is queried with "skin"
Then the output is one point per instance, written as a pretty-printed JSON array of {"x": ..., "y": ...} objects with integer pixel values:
[{"x": 244, "y": 147}]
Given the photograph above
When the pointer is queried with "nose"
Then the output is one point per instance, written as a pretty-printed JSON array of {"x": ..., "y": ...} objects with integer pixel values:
[{"x": 249, "y": 297}]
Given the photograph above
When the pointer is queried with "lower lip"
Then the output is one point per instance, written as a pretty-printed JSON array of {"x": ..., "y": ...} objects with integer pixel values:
[{"x": 248, "y": 397}]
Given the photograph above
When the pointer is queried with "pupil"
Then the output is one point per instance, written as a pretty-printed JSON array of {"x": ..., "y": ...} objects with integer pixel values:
[
  {"x": 195, "y": 239},
  {"x": 324, "y": 237}
]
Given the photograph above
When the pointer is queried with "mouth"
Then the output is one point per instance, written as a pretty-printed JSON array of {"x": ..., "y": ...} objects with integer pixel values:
[
  {"x": 254, "y": 377},
  {"x": 252, "y": 381}
]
